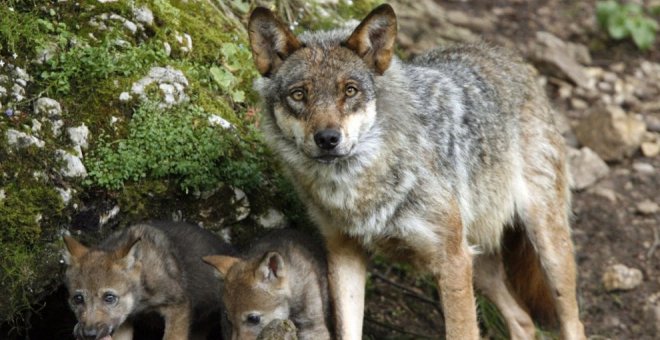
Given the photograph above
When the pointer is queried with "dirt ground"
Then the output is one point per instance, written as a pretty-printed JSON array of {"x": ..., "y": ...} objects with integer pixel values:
[{"x": 605, "y": 230}]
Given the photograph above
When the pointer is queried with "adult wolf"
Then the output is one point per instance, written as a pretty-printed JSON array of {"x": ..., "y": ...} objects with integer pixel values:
[
  {"x": 433, "y": 161},
  {"x": 154, "y": 267}
]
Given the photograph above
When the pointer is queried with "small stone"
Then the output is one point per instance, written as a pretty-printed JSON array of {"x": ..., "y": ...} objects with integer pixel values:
[
  {"x": 272, "y": 219},
  {"x": 578, "y": 104},
  {"x": 21, "y": 140},
  {"x": 215, "y": 120},
  {"x": 65, "y": 194},
  {"x": 56, "y": 127},
  {"x": 650, "y": 149},
  {"x": 124, "y": 97},
  {"x": 144, "y": 16},
  {"x": 73, "y": 166},
  {"x": 620, "y": 277},
  {"x": 241, "y": 205},
  {"x": 647, "y": 207},
  {"x": 643, "y": 168},
  {"x": 606, "y": 193},
  {"x": 79, "y": 135},
  {"x": 47, "y": 107},
  {"x": 585, "y": 168}
]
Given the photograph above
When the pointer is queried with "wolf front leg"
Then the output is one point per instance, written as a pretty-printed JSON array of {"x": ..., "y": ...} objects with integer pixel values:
[
  {"x": 347, "y": 270},
  {"x": 177, "y": 321},
  {"x": 454, "y": 277}
]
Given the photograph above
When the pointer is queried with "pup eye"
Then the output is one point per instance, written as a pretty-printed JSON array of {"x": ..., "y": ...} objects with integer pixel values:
[
  {"x": 110, "y": 298},
  {"x": 297, "y": 95},
  {"x": 351, "y": 91},
  {"x": 253, "y": 319},
  {"x": 78, "y": 299}
]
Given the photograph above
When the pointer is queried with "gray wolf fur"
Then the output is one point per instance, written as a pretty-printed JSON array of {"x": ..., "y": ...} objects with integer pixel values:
[
  {"x": 430, "y": 161},
  {"x": 282, "y": 276},
  {"x": 154, "y": 267}
]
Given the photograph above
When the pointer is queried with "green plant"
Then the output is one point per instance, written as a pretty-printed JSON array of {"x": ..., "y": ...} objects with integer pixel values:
[
  {"x": 179, "y": 144},
  {"x": 627, "y": 20}
]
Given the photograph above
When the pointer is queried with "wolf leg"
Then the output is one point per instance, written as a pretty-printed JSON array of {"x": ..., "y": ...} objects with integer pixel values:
[
  {"x": 347, "y": 270},
  {"x": 177, "y": 321},
  {"x": 490, "y": 280},
  {"x": 124, "y": 332},
  {"x": 546, "y": 224}
]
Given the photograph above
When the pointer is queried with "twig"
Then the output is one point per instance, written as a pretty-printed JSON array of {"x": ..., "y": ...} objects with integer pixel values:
[
  {"x": 409, "y": 291},
  {"x": 656, "y": 243},
  {"x": 397, "y": 329}
]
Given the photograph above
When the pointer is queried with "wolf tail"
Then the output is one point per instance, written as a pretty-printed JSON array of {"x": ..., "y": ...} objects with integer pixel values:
[{"x": 527, "y": 278}]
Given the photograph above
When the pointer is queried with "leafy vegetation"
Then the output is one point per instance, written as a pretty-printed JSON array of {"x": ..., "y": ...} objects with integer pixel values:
[{"x": 627, "y": 20}]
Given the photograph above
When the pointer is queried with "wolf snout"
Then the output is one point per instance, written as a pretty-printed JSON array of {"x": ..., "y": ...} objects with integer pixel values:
[
  {"x": 91, "y": 332},
  {"x": 327, "y": 139}
]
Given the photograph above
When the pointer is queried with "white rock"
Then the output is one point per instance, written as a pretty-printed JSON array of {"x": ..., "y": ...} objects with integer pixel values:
[
  {"x": 650, "y": 149},
  {"x": 168, "y": 48},
  {"x": 36, "y": 125},
  {"x": 65, "y": 194},
  {"x": 20, "y": 139},
  {"x": 18, "y": 92},
  {"x": 643, "y": 168},
  {"x": 241, "y": 204},
  {"x": 56, "y": 127},
  {"x": 620, "y": 277},
  {"x": 47, "y": 107},
  {"x": 143, "y": 15},
  {"x": 3, "y": 195},
  {"x": 647, "y": 207},
  {"x": 73, "y": 166},
  {"x": 124, "y": 97},
  {"x": 79, "y": 135},
  {"x": 585, "y": 168},
  {"x": 3, "y": 92},
  {"x": 272, "y": 219},
  {"x": 131, "y": 26},
  {"x": 215, "y": 120}
]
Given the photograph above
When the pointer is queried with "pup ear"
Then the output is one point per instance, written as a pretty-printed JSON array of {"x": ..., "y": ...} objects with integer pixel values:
[
  {"x": 127, "y": 255},
  {"x": 373, "y": 39},
  {"x": 271, "y": 41},
  {"x": 221, "y": 263},
  {"x": 73, "y": 250},
  {"x": 271, "y": 267}
]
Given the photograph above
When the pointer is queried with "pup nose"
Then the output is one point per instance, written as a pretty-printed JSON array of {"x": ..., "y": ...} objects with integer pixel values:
[{"x": 327, "y": 139}]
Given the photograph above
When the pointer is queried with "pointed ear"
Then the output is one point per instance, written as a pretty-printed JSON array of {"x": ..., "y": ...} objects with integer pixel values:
[
  {"x": 271, "y": 41},
  {"x": 127, "y": 255},
  {"x": 271, "y": 267},
  {"x": 373, "y": 39},
  {"x": 221, "y": 263},
  {"x": 73, "y": 250}
]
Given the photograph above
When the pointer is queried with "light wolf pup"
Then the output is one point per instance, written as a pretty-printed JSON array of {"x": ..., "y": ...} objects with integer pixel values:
[
  {"x": 282, "y": 276},
  {"x": 431, "y": 161},
  {"x": 154, "y": 267}
]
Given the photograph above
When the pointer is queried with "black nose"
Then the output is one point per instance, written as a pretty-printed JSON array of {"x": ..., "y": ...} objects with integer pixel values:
[{"x": 327, "y": 139}]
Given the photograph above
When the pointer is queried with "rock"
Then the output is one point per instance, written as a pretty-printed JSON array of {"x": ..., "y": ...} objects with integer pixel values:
[
  {"x": 606, "y": 193},
  {"x": 215, "y": 120},
  {"x": 65, "y": 194},
  {"x": 585, "y": 168},
  {"x": 643, "y": 168},
  {"x": 143, "y": 15},
  {"x": 79, "y": 135},
  {"x": 47, "y": 107},
  {"x": 56, "y": 127},
  {"x": 552, "y": 51},
  {"x": 610, "y": 132},
  {"x": 650, "y": 149},
  {"x": 272, "y": 219},
  {"x": 185, "y": 41},
  {"x": 578, "y": 104},
  {"x": 241, "y": 205},
  {"x": 21, "y": 140},
  {"x": 124, "y": 97},
  {"x": 73, "y": 167},
  {"x": 647, "y": 207},
  {"x": 279, "y": 329},
  {"x": 620, "y": 277},
  {"x": 170, "y": 81},
  {"x": 652, "y": 123},
  {"x": 652, "y": 311}
]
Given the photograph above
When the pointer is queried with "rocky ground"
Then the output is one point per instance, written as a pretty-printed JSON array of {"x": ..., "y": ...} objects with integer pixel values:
[{"x": 607, "y": 95}]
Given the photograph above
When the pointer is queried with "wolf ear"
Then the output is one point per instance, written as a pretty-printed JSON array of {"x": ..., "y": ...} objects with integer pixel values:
[
  {"x": 373, "y": 40},
  {"x": 271, "y": 267},
  {"x": 73, "y": 250},
  {"x": 221, "y": 263},
  {"x": 127, "y": 255},
  {"x": 271, "y": 41}
]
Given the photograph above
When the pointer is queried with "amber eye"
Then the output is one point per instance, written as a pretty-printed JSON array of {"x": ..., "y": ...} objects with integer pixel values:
[
  {"x": 351, "y": 91},
  {"x": 297, "y": 95}
]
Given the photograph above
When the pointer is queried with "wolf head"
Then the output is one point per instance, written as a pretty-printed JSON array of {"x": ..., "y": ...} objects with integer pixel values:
[
  {"x": 319, "y": 88},
  {"x": 102, "y": 286},
  {"x": 255, "y": 291}
]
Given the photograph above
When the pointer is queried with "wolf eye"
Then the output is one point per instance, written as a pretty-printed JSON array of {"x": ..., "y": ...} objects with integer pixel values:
[
  {"x": 110, "y": 298},
  {"x": 297, "y": 95},
  {"x": 78, "y": 299},
  {"x": 351, "y": 91},
  {"x": 253, "y": 319}
]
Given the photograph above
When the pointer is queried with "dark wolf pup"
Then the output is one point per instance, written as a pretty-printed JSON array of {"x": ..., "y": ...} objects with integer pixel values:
[
  {"x": 432, "y": 161},
  {"x": 282, "y": 276},
  {"x": 154, "y": 267}
]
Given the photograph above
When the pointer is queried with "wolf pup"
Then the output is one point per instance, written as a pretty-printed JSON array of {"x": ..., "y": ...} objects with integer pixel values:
[
  {"x": 282, "y": 276},
  {"x": 147, "y": 267},
  {"x": 433, "y": 160}
]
